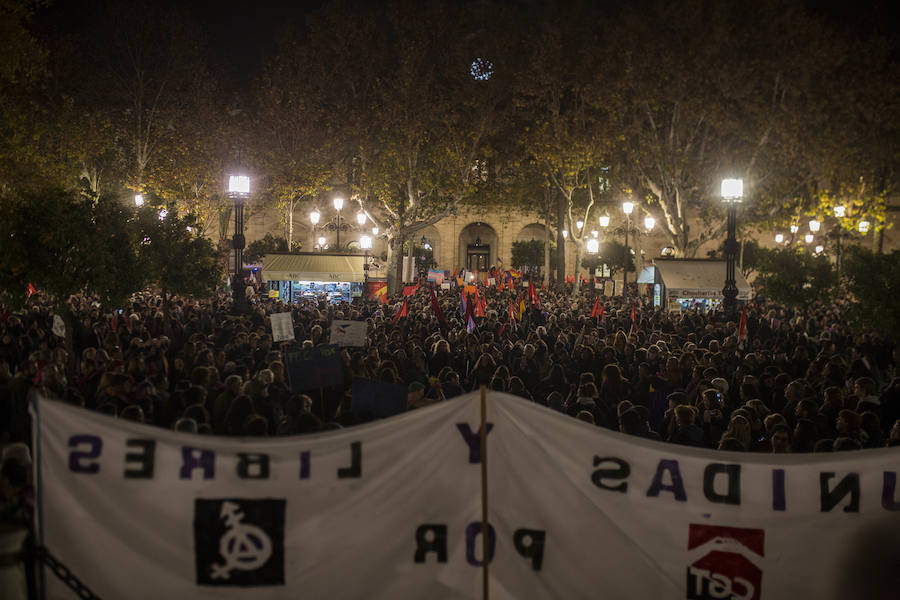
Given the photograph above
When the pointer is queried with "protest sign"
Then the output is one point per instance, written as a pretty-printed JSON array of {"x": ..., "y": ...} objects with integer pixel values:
[
  {"x": 59, "y": 327},
  {"x": 348, "y": 333},
  {"x": 576, "y": 511},
  {"x": 378, "y": 399},
  {"x": 282, "y": 327},
  {"x": 312, "y": 368}
]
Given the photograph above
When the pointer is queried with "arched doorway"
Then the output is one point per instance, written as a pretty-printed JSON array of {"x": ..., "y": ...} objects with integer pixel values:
[
  {"x": 478, "y": 246},
  {"x": 532, "y": 231}
]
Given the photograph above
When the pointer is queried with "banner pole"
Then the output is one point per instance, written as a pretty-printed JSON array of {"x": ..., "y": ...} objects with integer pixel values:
[{"x": 484, "y": 497}]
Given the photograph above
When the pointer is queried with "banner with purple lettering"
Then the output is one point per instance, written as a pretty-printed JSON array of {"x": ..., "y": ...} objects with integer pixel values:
[{"x": 393, "y": 510}]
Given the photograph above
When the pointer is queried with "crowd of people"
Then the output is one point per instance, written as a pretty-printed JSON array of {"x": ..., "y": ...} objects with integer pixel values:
[
  {"x": 789, "y": 380},
  {"x": 798, "y": 381}
]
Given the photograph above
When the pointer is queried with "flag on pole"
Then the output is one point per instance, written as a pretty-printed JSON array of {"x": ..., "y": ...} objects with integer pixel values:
[
  {"x": 512, "y": 312},
  {"x": 595, "y": 312},
  {"x": 633, "y": 319},
  {"x": 521, "y": 304},
  {"x": 381, "y": 294},
  {"x": 436, "y": 307},
  {"x": 462, "y": 304},
  {"x": 532, "y": 294},
  {"x": 742, "y": 327},
  {"x": 479, "y": 307},
  {"x": 409, "y": 290},
  {"x": 29, "y": 291},
  {"x": 470, "y": 316},
  {"x": 401, "y": 312}
]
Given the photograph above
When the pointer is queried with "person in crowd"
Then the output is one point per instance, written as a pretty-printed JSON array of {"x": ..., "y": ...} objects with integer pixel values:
[{"x": 677, "y": 376}]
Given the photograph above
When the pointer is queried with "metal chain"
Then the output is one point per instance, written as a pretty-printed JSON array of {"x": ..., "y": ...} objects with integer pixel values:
[{"x": 65, "y": 575}]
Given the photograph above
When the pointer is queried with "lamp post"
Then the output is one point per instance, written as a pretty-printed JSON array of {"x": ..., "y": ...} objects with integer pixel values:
[
  {"x": 627, "y": 208},
  {"x": 365, "y": 242},
  {"x": 239, "y": 191},
  {"x": 138, "y": 200},
  {"x": 338, "y": 205},
  {"x": 732, "y": 194}
]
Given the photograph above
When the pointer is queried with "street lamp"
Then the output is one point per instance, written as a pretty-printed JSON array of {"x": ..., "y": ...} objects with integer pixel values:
[
  {"x": 820, "y": 249},
  {"x": 603, "y": 220},
  {"x": 863, "y": 226},
  {"x": 808, "y": 238},
  {"x": 779, "y": 238},
  {"x": 732, "y": 194},
  {"x": 579, "y": 224},
  {"x": 321, "y": 241},
  {"x": 840, "y": 211},
  {"x": 361, "y": 218},
  {"x": 593, "y": 246},
  {"x": 375, "y": 231},
  {"x": 627, "y": 208},
  {"x": 565, "y": 234},
  {"x": 238, "y": 191},
  {"x": 163, "y": 214},
  {"x": 814, "y": 225},
  {"x": 649, "y": 222},
  {"x": 338, "y": 205},
  {"x": 138, "y": 200}
]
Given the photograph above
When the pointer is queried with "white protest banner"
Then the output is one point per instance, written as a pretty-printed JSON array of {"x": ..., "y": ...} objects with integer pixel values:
[
  {"x": 392, "y": 510},
  {"x": 282, "y": 326},
  {"x": 59, "y": 326},
  {"x": 348, "y": 333},
  {"x": 445, "y": 286}
]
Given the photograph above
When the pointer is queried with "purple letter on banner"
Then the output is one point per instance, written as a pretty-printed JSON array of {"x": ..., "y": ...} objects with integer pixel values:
[
  {"x": 206, "y": 461},
  {"x": 473, "y": 440},
  {"x": 75, "y": 457}
]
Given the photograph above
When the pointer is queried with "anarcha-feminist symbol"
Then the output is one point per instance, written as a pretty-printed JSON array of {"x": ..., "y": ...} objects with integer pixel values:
[
  {"x": 244, "y": 547},
  {"x": 239, "y": 541}
]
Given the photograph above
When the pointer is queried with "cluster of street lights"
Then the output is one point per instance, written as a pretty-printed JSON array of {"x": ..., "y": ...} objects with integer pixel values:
[
  {"x": 837, "y": 233},
  {"x": 593, "y": 243},
  {"x": 338, "y": 202}
]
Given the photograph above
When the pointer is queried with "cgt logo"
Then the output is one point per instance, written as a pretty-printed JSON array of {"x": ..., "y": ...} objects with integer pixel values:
[{"x": 726, "y": 563}]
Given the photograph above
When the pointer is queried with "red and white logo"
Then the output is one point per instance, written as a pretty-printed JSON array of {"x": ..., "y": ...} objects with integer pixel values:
[{"x": 725, "y": 564}]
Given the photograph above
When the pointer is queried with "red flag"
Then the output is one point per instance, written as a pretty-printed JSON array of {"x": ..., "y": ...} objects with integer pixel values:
[
  {"x": 532, "y": 294},
  {"x": 602, "y": 310},
  {"x": 436, "y": 307},
  {"x": 409, "y": 290},
  {"x": 29, "y": 291},
  {"x": 742, "y": 327},
  {"x": 455, "y": 271},
  {"x": 401, "y": 312},
  {"x": 479, "y": 307},
  {"x": 595, "y": 312},
  {"x": 512, "y": 312},
  {"x": 512, "y": 283},
  {"x": 501, "y": 330},
  {"x": 470, "y": 315}
]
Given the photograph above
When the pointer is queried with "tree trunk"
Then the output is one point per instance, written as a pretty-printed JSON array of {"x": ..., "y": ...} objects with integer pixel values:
[
  {"x": 411, "y": 261},
  {"x": 547, "y": 250},
  {"x": 395, "y": 264},
  {"x": 561, "y": 206},
  {"x": 290, "y": 239},
  {"x": 577, "y": 269}
]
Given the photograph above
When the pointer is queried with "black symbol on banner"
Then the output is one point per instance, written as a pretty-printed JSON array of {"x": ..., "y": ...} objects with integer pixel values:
[{"x": 239, "y": 542}]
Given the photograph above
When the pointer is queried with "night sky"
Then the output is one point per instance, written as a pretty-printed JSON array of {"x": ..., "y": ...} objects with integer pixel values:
[{"x": 240, "y": 33}]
